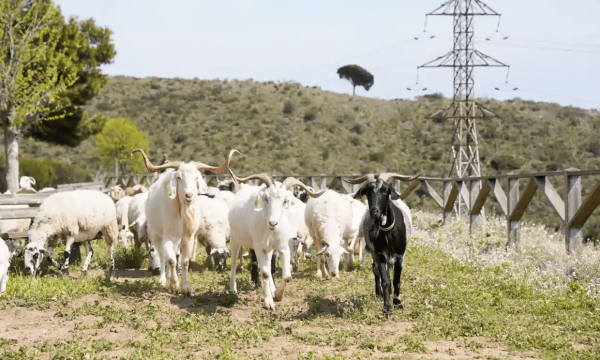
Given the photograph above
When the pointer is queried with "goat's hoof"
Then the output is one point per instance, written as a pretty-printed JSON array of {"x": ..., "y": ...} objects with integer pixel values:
[
  {"x": 269, "y": 304},
  {"x": 398, "y": 304}
]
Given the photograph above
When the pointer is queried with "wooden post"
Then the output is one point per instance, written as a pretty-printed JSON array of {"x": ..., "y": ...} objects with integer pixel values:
[
  {"x": 573, "y": 235},
  {"x": 475, "y": 218},
  {"x": 323, "y": 184},
  {"x": 449, "y": 199},
  {"x": 513, "y": 200}
]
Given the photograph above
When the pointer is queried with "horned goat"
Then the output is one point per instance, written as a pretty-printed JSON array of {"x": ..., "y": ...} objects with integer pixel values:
[
  {"x": 77, "y": 215},
  {"x": 387, "y": 227},
  {"x": 173, "y": 213},
  {"x": 259, "y": 220}
]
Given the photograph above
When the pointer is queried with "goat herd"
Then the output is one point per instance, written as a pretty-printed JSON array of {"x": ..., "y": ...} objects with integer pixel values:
[{"x": 273, "y": 219}]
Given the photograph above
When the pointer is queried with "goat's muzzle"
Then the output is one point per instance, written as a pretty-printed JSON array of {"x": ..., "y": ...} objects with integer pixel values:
[{"x": 272, "y": 224}]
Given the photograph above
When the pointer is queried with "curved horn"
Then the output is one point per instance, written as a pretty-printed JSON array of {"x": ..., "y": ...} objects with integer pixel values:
[
  {"x": 218, "y": 169},
  {"x": 290, "y": 182},
  {"x": 264, "y": 177},
  {"x": 322, "y": 250},
  {"x": 386, "y": 176},
  {"x": 32, "y": 180},
  {"x": 154, "y": 168},
  {"x": 360, "y": 179}
]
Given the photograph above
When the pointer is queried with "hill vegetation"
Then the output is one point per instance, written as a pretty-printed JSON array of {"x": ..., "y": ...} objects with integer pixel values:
[{"x": 285, "y": 128}]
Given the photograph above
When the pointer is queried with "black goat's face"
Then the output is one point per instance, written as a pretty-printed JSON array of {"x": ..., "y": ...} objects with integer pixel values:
[{"x": 378, "y": 194}]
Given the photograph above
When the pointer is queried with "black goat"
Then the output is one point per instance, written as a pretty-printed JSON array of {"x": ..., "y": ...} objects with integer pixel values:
[{"x": 386, "y": 233}]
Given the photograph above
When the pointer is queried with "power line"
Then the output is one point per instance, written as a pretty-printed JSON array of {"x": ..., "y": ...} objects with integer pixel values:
[{"x": 549, "y": 48}]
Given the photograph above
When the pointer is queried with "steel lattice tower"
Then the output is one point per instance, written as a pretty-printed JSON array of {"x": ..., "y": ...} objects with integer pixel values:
[{"x": 464, "y": 109}]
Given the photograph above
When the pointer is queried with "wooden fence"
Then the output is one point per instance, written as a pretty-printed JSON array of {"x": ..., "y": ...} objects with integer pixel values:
[{"x": 569, "y": 207}]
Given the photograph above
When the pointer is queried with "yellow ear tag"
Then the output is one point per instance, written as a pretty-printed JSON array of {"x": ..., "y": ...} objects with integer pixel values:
[
  {"x": 294, "y": 201},
  {"x": 256, "y": 202}
]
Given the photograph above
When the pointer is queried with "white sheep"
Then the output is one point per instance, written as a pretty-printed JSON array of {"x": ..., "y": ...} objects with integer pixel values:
[
  {"x": 116, "y": 192},
  {"x": 213, "y": 231},
  {"x": 333, "y": 221},
  {"x": 77, "y": 215},
  {"x": 173, "y": 214}
]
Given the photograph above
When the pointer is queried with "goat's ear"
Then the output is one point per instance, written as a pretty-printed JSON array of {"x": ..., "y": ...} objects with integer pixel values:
[
  {"x": 360, "y": 193},
  {"x": 172, "y": 188},
  {"x": 259, "y": 201}
]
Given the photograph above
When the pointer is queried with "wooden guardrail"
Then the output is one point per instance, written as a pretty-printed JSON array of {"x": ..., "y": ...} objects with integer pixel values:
[{"x": 572, "y": 211}]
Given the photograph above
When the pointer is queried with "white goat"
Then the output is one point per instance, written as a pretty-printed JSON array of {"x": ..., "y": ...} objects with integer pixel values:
[
  {"x": 173, "y": 214},
  {"x": 77, "y": 215},
  {"x": 122, "y": 207},
  {"x": 5, "y": 255},
  {"x": 333, "y": 221},
  {"x": 214, "y": 231},
  {"x": 139, "y": 228},
  {"x": 259, "y": 220},
  {"x": 115, "y": 192},
  {"x": 25, "y": 185}
]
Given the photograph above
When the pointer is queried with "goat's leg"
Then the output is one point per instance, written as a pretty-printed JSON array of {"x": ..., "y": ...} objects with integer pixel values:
[
  {"x": 3, "y": 281},
  {"x": 398, "y": 266},
  {"x": 272, "y": 255},
  {"x": 171, "y": 263},
  {"x": 274, "y": 264},
  {"x": 254, "y": 273},
  {"x": 321, "y": 269},
  {"x": 208, "y": 263},
  {"x": 262, "y": 256},
  {"x": 186, "y": 248},
  {"x": 89, "y": 253},
  {"x": 235, "y": 253},
  {"x": 286, "y": 273},
  {"x": 378, "y": 291},
  {"x": 178, "y": 262},
  {"x": 67, "y": 253},
  {"x": 386, "y": 286},
  {"x": 162, "y": 255},
  {"x": 194, "y": 250}
]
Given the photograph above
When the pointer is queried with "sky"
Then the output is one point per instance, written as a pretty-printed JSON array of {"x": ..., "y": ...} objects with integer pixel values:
[{"x": 552, "y": 47}]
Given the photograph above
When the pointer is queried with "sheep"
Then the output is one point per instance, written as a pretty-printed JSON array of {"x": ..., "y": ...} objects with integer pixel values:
[
  {"x": 79, "y": 215},
  {"x": 333, "y": 221},
  {"x": 5, "y": 256},
  {"x": 387, "y": 226},
  {"x": 259, "y": 220},
  {"x": 122, "y": 208},
  {"x": 139, "y": 228},
  {"x": 214, "y": 231},
  {"x": 173, "y": 213}
]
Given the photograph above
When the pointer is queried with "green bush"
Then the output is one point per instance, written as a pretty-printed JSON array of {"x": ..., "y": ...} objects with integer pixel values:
[
  {"x": 288, "y": 108},
  {"x": 46, "y": 173}
]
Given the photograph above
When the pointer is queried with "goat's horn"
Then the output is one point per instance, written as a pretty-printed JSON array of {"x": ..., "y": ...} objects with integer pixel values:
[
  {"x": 154, "y": 168},
  {"x": 290, "y": 182},
  {"x": 32, "y": 180},
  {"x": 322, "y": 250},
  {"x": 360, "y": 179},
  {"x": 218, "y": 169},
  {"x": 264, "y": 177},
  {"x": 386, "y": 176}
]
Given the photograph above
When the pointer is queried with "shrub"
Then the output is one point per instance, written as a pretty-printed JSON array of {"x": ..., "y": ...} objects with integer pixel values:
[
  {"x": 310, "y": 114},
  {"x": 46, "y": 173},
  {"x": 288, "y": 108}
]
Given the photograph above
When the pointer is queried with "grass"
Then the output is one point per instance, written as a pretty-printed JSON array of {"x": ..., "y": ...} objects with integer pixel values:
[{"x": 454, "y": 305}]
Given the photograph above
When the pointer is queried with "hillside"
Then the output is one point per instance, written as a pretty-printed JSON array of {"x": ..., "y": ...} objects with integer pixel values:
[{"x": 288, "y": 128}]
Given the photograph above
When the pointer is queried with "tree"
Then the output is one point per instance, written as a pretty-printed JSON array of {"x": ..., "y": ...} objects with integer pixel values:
[
  {"x": 115, "y": 143},
  {"x": 34, "y": 74},
  {"x": 90, "y": 47},
  {"x": 357, "y": 76}
]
